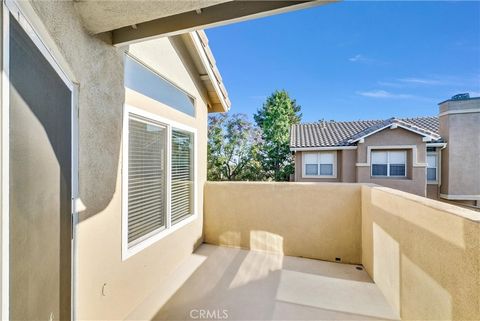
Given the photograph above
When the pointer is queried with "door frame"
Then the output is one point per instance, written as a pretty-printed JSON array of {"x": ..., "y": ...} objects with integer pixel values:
[{"x": 33, "y": 26}]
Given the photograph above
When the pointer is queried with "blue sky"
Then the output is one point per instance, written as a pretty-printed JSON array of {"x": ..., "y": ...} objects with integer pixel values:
[{"x": 354, "y": 60}]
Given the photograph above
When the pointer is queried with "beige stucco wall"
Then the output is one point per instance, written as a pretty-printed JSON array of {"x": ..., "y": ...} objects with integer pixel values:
[
  {"x": 415, "y": 182},
  {"x": 98, "y": 68},
  {"x": 424, "y": 255},
  {"x": 314, "y": 220},
  {"x": 461, "y": 157}
]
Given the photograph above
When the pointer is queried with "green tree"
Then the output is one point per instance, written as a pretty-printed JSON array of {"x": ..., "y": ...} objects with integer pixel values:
[
  {"x": 233, "y": 148},
  {"x": 277, "y": 115}
]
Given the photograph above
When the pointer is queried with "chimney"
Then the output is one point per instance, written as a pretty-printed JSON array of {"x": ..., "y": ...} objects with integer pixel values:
[{"x": 460, "y": 129}]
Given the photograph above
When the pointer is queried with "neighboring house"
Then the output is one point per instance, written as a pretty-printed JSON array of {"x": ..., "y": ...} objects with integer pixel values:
[{"x": 437, "y": 157}]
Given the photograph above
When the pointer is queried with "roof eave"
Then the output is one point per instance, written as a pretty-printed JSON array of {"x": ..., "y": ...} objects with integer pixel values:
[
  {"x": 396, "y": 125},
  {"x": 217, "y": 94}
]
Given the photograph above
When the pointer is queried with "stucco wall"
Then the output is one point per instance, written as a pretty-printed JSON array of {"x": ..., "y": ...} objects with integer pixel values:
[
  {"x": 315, "y": 220},
  {"x": 424, "y": 255},
  {"x": 461, "y": 157},
  {"x": 98, "y": 67},
  {"x": 415, "y": 182}
]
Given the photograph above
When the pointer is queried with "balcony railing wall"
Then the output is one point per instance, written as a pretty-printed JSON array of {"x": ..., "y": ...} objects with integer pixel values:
[{"x": 424, "y": 255}]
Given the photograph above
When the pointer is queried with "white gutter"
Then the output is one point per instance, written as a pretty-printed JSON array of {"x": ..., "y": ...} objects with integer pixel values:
[{"x": 443, "y": 145}]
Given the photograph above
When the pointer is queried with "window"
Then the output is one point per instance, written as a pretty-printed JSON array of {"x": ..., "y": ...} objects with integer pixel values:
[
  {"x": 146, "y": 178},
  {"x": 389, "y": 163},
  {"x": 159, "y": 179},
  {"x": 432, "y": 167},
  {"x": 142, "y": 79},
  {"x": 320, "y": 164},
  {"x": 182, "y": 175}
]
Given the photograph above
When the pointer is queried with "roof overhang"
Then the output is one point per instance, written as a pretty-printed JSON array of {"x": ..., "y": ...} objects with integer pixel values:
[
  {"x": 196, "y": 43},
  {"x": 127, "y": 22},
  {"x": 436, "y": 144},
  {"x": 426, "y": 137},
  {"x": 312, "y": 149}
]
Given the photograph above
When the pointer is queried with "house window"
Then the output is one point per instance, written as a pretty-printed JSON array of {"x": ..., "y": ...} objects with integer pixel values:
[
  {"x": 182, "y": 175},
  {"x": 144, "y": 80},
  {"x": 432, "y": 167},
  {"x": 159, "y": 179},
  {"x": 321, "y": 164},
  {"x": 389, "y": 163},
  {"x": 147, "y": 174}
]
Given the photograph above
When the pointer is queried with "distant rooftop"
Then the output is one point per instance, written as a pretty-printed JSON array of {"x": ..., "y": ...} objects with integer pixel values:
[
  {"x": 459, "y": 97},
  {"x": 335, "y": 134}
]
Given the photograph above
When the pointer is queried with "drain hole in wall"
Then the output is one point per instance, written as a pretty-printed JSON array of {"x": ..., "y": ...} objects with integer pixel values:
[
  {"x": 359, "y": 268},
  {"x": 338, "y": 259}
]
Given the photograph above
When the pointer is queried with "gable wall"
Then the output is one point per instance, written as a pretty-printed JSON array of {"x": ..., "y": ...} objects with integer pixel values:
[{"x": 415, "y": 182}]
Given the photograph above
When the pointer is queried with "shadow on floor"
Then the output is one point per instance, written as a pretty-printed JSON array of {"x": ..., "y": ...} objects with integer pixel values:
[{"x": 237, "y": 284}]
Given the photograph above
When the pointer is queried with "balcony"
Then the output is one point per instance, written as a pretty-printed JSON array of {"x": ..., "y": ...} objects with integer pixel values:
[
  {"x": 252, "y": 285},
  {"x": 313, "y": 251}
]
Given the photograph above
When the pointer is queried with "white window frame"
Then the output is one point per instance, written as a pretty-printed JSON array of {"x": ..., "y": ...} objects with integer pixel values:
[
  {"x": 334, "y": 170},
  {"x": 169, "y": 228},
  {"x": 388, "y": 164},
  {"x": 437, "y": 159}
]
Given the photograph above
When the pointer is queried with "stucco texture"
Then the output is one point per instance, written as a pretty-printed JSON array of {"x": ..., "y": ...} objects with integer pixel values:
[
  {"x": 106, "y": 286},
  {"x": 461, "y": 157},
  {"x": 415, "y": 182},
  {"x": 313, "y": 220},
  {"x": 424, "y": 255}
]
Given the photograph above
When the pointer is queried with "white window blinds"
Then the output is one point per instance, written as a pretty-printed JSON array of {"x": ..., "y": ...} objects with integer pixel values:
[
  {"x": 182, "y": 175},
  {"x": 147, "y": 142},
  {"x": 319, "y": 164},
  {"x": 389, "y": 163},
  {"x": 159, "y": 181}
]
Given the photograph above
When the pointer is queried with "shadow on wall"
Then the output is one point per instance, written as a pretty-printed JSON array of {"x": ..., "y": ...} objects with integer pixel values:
[
  {"x": 425, "y": 259},
  {"x": 98, "y": 67}
]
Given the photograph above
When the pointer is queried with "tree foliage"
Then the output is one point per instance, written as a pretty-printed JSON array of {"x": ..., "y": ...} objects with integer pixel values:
[
  {"x": 239, "y": 150},
  {"x": 277, "y": 115},
  {"x": 233, "y": 148}
]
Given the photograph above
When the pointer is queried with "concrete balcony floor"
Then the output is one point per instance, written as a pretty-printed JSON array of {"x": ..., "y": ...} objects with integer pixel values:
[{"x": 238, "y": 284}]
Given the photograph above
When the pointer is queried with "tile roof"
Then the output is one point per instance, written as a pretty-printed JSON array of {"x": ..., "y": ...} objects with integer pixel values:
[{"x": 334, "y": 134}]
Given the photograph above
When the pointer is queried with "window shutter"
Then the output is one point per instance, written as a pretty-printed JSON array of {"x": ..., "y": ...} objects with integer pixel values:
[
  {"x": 182, "y": 175},
  {"x": 146, "y": 178}
]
